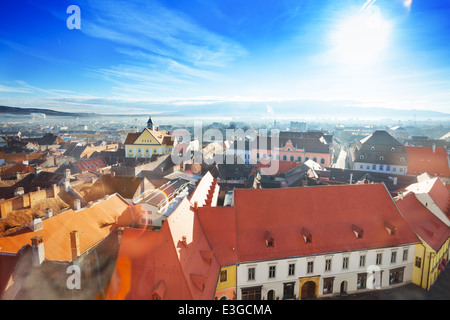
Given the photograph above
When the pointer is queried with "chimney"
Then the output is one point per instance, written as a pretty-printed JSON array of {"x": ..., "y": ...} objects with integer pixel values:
[
  {"x": 434, "y": 147},
  {"x": 75, "y": 244},
  {"x": 36, "y": 225},
  {"x": 351, "y": 178},
  {"x": 49, "y": 212},
  {"x": 19, "y": 192},
  {"x": 400, "y": 195},
  {"x": 77, "y": 204},
  {"x": 395, "y": 181},
  {"x": 119, "y": 234},
  {"x": 37, "y": 247},
  {"x": 38, "y": 170},
  {"x": 55, "y": 190}
]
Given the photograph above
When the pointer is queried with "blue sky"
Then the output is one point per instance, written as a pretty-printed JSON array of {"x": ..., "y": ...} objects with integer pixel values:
[{"x": 137, "y": 55}]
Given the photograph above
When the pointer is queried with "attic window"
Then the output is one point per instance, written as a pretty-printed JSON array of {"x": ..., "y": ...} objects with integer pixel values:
[
  {"x": 372, "y": 148},
  {"x": 207, "y": 256},
  {"x": 381, "y": 158},
  {"x": 390, "y": 228},
  {"x": 269, "y": 239},
  {"x": 359, "y": 232},
  {"x": 392, "y": 149},
  {"x": 402, "y": 159},
  {"x": 361, "y": 157},
  {"x": 307, "y": 237}
]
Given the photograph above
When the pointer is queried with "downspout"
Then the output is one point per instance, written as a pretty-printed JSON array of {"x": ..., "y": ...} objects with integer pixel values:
[
  {"x": 429, "y": 267},
  {"x": 423, "y": 269}
]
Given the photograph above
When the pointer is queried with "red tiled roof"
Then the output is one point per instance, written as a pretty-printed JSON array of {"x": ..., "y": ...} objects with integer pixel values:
[
  {"x": 423, "y": 159},
  {"x": 426, "y": 225},
  {"x": 327, "y": 212},
  {"x": 91, "y": 165},
  {"x": 283, "y": 166},
  {"x": 178, "y": 255}
]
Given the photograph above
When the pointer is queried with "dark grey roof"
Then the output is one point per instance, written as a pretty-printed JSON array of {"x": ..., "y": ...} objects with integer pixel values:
[{"x": 381, "y": 148}]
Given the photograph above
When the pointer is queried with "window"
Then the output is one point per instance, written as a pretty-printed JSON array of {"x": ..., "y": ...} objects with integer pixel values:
[
  {"x": 284, "y": 157},
  {"x": 393, "y": 256},
  {"x": 299, "y": 159},
  {"x": 328, "y": 265},
  {"x": 361, "y": 157},
  {"x": 291, "y": 270},
  {"x": 251, "y": 274},
  {"x": 381, "y": 158},
  {"x": 394, "y": 169},
  {"x": 361, "y": 166},
  {"x": 388, "y": 168},
  {"x": 257, "y": 156},
  {"x": 345, "y": 263},
  {"x": 362, "y": 261},
  {"x": 310, "y": 267},
  {"x": 322, "y": 161},
  {"x": 392, "y": 149},
  {"x": 418, "y": 262},
  {"x": 379, "y": 258},
  {"x": 372, "y": 148},
  {"x": 381, "y": 167},
  {"x": 288, "y": 290},
  {"x": 405, "y": 254},
  {"x": 396, "y": 276},
  {"x": 361, "y": 281},
  {"x": 272, "y": 270},
  {"x": 374, "y": 167},
  {"x": 401, "y": 169},
  {"x": 328, "y": 285},
  {"x": 292, "y": 158},
  {"x": 402, "y": 159},
  {"x": 223, "y": 276},
  {"x": 251, "y": 293},
  {"x": 315, "y": 159}
]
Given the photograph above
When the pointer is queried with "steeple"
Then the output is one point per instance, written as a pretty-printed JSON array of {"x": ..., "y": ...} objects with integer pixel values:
[{"x": 150, "y": 123}]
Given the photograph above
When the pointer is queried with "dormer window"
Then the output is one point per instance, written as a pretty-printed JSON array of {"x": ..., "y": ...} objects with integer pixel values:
[
  {"x": 372, "y": 148},
  {"x": 390, "y": 228},
  {"x": 269, "y": 239},
  {"x": 358, "y": 231},
  {"x": 402, "y": 159},
  {"x": 307, "y": 237},
  {"x": 392, "y": 149},
  {"x": 361, "y": 157},
  {"x": 381, "y": 158}
]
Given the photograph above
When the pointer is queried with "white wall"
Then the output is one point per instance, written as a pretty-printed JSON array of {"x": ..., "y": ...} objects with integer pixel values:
[{"x": 339, "y": 274}]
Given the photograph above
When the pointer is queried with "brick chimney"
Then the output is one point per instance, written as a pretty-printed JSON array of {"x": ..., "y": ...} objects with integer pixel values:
[
  {"x": 37, "y": 247},
  {"x": 19, "y": 191},
  {"x": 49, "y": 212},
  {"x": 36, "y": 225},
  {"x": 77, "y": 204},
  {"x": 75, "y": 244}
]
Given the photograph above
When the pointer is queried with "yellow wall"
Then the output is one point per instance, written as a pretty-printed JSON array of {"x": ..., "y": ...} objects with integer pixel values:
[
  {"x": 427, "y": 274},
  {"x": 228, "y": 287}
]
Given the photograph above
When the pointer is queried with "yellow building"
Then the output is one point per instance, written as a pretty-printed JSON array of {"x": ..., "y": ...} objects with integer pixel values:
[
  {"x": 432, "y": 254},
  {"x": 226, "y": 284},
  {"x": 147, "y": 143}
]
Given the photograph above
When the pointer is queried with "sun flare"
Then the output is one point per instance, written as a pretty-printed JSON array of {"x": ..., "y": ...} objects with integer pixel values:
[{"x": 362, "y": 38}]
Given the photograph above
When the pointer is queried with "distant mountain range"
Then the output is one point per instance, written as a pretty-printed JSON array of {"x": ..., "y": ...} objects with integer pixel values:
[
  {"x": 303, "y": 109},
  {"x": 28, "y": 111}
]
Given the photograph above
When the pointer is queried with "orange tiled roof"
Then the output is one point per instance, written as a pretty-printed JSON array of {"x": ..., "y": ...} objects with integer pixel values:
[
  {"x": 423, "y": 159},
  {"x": 93, "y": 223},
  {"x": 432, "y": 230},
  {"x": 176, "y": 262},
  {"x": 327, "y": 212}
]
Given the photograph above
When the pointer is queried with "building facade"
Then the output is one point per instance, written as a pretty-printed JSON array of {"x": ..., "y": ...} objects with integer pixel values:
[
  {"x": 148, "y": 143},
  {"x": 380, "y": 152}
]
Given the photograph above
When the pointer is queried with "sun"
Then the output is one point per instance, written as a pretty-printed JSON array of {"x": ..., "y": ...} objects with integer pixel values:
[{"x": 363, "y": 37}]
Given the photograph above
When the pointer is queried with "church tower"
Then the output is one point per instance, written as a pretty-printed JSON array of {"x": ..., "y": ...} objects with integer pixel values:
[{"x": 150, "y": 123}]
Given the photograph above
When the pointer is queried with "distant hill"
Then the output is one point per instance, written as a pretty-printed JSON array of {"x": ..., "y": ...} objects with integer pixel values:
[{"x": 48, "y": 112}]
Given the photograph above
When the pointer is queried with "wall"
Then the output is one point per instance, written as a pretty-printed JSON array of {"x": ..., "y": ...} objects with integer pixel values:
[
  {"x": 227, "y": 289},
  {"x": 349, "y": 275},
  {"x": 26, "y": 201}
]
